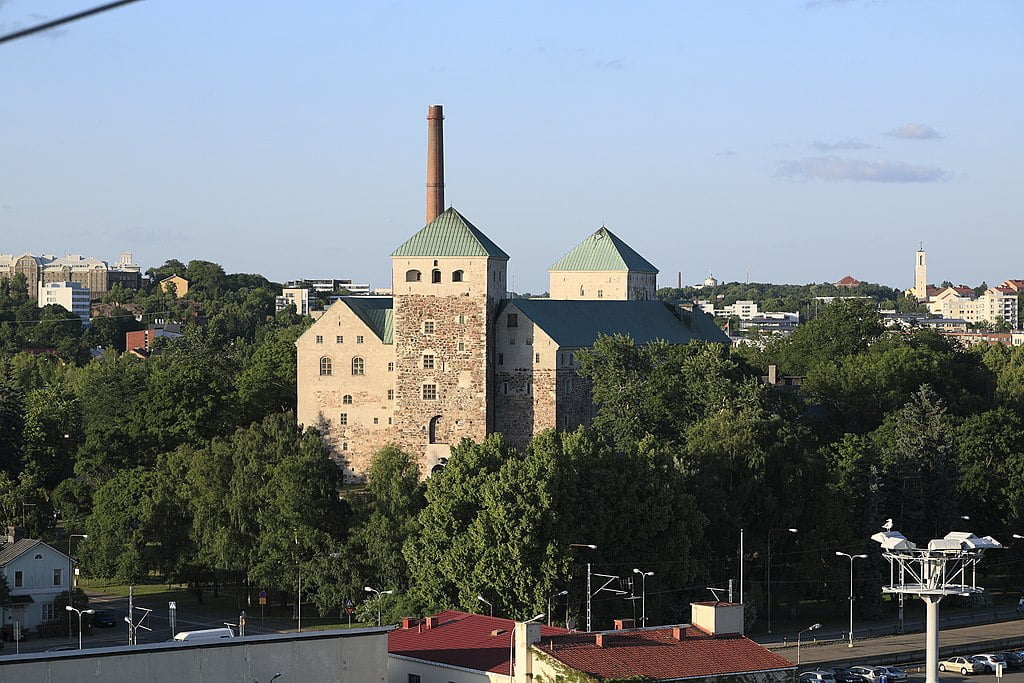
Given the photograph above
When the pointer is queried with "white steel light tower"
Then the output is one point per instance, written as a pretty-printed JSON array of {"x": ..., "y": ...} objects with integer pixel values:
[{"x": 948, "y": 566}]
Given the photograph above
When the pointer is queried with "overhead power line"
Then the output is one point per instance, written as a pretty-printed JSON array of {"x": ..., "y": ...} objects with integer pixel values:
[{"x": 64, "y": 20}]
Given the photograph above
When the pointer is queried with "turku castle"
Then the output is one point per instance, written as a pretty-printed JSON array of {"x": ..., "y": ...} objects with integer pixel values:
[{"x": 449, "y": 356}]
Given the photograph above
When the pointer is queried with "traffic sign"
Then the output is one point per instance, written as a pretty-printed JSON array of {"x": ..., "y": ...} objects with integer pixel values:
[
  {"x": 263, "y": 594},
  {"x": 263, "y": 600}
]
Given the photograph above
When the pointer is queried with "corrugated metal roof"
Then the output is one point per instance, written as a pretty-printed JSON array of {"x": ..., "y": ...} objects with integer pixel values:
[
  {"x": 603, "y": 251},
  {"x": 377, "y": 312},
  {"x": 11, "y": 551},
  {"x": 450, "y": 234},
  {"x": 579, "y": 323}
]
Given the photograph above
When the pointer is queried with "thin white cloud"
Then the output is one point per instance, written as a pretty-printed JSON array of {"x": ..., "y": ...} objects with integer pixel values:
[
  {"x": 879, "y": 171},
  {"x": 916, "y": 131},
  {"x": 848, "y": 143}
]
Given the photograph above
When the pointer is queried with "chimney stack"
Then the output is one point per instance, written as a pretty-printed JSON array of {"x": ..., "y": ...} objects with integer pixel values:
[{"x": 435, "y": 161}]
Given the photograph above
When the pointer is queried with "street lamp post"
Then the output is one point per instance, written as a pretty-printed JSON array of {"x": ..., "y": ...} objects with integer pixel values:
[
  {"x": 768, "y": 575},
  {"x": 380, "y": 596},
  {"x": 485, "y": 601},
  {"x": 741, "y": 565},
  {"x": 556, "y": 595},
  {"x": 643, "y": 595},
  {"x": 589, "y": 546},
  {"x": 851, "y": 558},
  {"x": 80, "y": 612},
  {"x": 70, "y": 596},
  {"x": 809, "y": 628}
]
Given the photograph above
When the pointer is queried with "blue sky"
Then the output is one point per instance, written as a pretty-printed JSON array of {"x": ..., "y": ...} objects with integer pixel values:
[{"x": 782, "y": 141}]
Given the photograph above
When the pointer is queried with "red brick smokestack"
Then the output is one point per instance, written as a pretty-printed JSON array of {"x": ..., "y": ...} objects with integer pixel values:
[{"x": 435, "y": 162}]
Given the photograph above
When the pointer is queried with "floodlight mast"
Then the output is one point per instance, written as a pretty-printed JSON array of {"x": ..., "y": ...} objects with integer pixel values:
[{"x": 932, "y": 573}]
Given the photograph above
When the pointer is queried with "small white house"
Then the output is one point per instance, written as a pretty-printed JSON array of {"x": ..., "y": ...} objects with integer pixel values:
[{"x": 37, "y": 574}]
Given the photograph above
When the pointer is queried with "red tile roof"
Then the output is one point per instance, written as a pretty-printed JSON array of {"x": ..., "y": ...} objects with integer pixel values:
[
  {"x": 848, "y": 281},
  {"x": 655, "y": 653},
  {"x": 461, "y": 639}
]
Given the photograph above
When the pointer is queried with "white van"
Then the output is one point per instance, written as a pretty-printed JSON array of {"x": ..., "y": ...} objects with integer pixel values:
[{"x": 205, "y": 634}]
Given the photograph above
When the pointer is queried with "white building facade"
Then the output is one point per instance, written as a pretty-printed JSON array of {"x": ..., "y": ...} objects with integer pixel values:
[
  {"x": 73, "y": 296},
  {"x": 37, "y": 574}
]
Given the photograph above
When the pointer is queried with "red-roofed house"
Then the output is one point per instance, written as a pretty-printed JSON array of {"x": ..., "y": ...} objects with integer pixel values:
[
  {"x": 849, "y": 282},
  {"x": 459, "y": 648},
  {"x": 1015, "y": 285}
]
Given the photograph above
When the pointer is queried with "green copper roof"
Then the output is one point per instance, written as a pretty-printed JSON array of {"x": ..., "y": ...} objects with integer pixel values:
[
  {"x": 376, "y": 312},
  {"x": 603, "y": 251},
  {"x": 577, "y": 323},
  {"x": 450, "y": 234}
]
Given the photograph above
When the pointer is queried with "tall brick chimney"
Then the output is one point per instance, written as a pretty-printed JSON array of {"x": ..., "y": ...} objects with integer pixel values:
[{"x": 435, "y": 161}]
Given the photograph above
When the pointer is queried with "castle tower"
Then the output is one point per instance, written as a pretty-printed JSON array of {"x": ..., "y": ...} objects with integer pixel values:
[
  {"x": 602, "y": 267},
  {"x": 920, "y": 275},
  {"x": 447, "y": 281}
]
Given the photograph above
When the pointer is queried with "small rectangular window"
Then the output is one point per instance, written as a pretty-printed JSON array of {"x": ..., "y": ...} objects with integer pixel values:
[
  {"x": 376, "y": 420},
  {"x": 58, "y": 577},
  {"x": 391, "y": 367},
  {"x": 429, "y": 392},
  {"x": 511, "y": 341},
  {"x": 504, "y": 388},
  {"x": 536, "y": 358},
  {"x": 513, "y": 320},
  {"x": 319, "y": 339},
  {"x": 343, "y": 419},
  {"x": 391, "y": 394},
  {"x": 339, "y": 339},
  {"x": 359, "y": 339},
  {"x": 462, "y": 319},
  {"x": 428, "y": 361},
  {"x": 414, "y": 678},
  {"x": 501, "y": 359},
  {"x": 389, "y": 420},
  {"x": 462, "y": 346},
  {"x": 19, "y": 578},
  {"x": 428, "y": 327}
]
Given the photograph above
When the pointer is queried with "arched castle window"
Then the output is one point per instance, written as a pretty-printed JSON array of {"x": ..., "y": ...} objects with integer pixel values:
[
  {"x": 412, "y": 276},
  {"x": 347, "y": 399},
  {"x": 435, "y": 276},
  {"x": 433, "y": 429},
  {"x": 457, "y": 276},
  {"x": 358, "y": 366},
  {"x": 325, "y": 366}
]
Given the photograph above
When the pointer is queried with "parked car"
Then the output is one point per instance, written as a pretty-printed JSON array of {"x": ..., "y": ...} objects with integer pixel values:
[
  {"x": 844, "y": 675},
  {"x": 894, "y": 674},
  {"x": 104, "y": 619},
  {"x": 965, "y": 665},
  {"x": 818, "y": 676},
  {"x": 1013, "y": 660},
  {"x": 869, "y": 673},
  {"x": 990, "y": 661}
]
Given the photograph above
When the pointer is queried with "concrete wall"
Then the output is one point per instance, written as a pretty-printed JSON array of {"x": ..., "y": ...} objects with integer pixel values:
[{"x": 344, "y": 656}]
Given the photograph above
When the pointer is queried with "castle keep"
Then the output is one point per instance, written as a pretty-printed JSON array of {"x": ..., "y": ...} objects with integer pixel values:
[{"x": 449, "y": 356}]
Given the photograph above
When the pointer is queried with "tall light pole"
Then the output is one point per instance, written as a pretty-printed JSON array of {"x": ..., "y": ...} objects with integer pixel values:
[
  {"x": 768, "y": 575},
  {"x": 741, "y": 565},
  {"x": 556, "y": 595},
  {"x": 80, "y": 612},
  {"x": 70, "y": 596},
  {"x": 809, "y": 628},
  {"x": 380, "y": 596},
  {"x": 589, "y": 546},
  {"x": 485, "y": 601},
  {"x": 851, "y": 558},
  {"x": 643, "y": 595}
]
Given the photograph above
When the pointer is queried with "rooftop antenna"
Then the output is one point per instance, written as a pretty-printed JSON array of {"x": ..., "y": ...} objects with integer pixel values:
[{"x": 948, "y": 566}]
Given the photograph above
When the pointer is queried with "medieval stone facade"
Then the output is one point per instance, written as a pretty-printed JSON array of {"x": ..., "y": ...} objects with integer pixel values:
[
  {"x": 91, "y": 273},
  {"x": 448, "y": 356}
]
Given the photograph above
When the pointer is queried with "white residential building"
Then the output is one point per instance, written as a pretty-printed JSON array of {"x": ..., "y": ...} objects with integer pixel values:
[
  {"x": 37, "y": 574},
  {"x": 997, "y": 304},
  {"x": 73, "y": 296},
  {"x": 296, "y": 297}
]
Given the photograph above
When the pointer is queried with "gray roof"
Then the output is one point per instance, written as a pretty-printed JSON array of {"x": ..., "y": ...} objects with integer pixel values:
[
  {"x": 376, "y": 311},
  {"x": 602, "y": 251},
  {"x": 573, "y": 323},
  {"x": 12, "y": 551},
  {"x": 450, "y": 234}
]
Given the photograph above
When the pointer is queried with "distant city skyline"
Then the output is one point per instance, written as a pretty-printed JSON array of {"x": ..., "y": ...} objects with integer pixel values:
[{"x": 786, "y": 142}]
